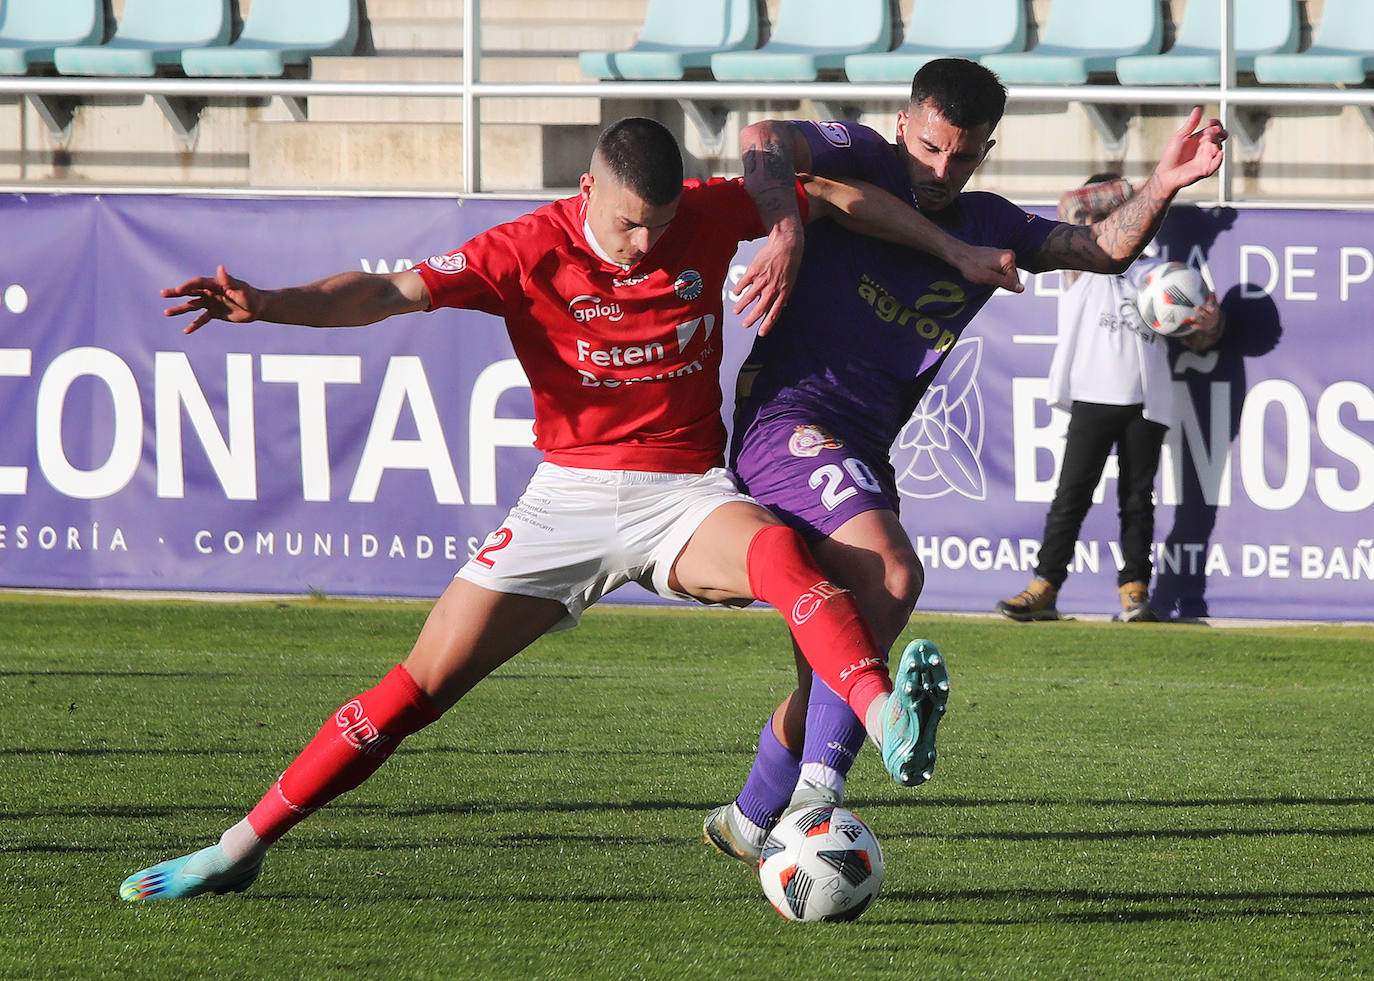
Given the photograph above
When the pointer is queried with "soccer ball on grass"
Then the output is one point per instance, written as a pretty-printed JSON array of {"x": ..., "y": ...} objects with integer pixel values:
[
  {"x": 821, "y": 863},
  {"x": 1169, "y": 299}
]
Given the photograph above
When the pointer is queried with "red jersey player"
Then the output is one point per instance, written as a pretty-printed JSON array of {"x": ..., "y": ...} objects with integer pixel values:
[{"x": 613, "y": 303}]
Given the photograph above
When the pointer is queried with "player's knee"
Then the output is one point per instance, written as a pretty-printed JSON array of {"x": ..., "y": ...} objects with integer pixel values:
[{"x": 903, "y": 581}]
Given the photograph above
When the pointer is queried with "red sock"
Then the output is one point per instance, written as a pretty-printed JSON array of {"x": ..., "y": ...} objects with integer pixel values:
[
  {"x": 824, "y": 619},
  {"x": 346, "y": 751}
]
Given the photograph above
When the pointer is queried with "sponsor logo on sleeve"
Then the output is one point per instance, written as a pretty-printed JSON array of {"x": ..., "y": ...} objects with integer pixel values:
[
  {"x": 448, "y": 264},
  {"x": 837, "y": 134}
]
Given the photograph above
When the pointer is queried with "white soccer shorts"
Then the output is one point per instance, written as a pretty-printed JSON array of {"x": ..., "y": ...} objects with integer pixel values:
[{"x": 577, "y": 535}]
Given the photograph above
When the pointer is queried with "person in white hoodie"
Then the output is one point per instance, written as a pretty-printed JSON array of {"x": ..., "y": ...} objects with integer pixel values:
[{"x": 1111, "y": 373}]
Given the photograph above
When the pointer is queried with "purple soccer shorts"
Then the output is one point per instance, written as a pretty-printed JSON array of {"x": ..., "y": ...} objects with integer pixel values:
[{"x": 809, "y": 478}]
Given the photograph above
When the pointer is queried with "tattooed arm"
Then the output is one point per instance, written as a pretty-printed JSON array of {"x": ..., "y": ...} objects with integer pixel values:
[
  {"x": 772, "y": 152},
  {"x": 1112, "y": 244}
]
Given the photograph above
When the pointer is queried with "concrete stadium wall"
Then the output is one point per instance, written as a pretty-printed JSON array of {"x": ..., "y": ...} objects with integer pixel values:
[{"x": 532, "y": 145}]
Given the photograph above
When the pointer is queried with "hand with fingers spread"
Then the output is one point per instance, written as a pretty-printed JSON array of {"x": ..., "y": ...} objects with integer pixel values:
[
  {"x": 221, "y": 297},
  {"x": 1193, "y": 153},
  {"x": 767, "y": 283}
]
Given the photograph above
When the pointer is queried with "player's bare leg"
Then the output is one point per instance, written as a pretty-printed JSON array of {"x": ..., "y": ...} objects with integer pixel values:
[
  {"x": 741, "y": 551},
  {"x": 469, "y": 633},
  {"x": 872, "y": 552}
]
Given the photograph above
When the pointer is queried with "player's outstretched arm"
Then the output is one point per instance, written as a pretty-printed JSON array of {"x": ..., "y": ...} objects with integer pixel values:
[
  {"x": 349, "y": 299},
  {"x": 869, "y": 210},
  {"x": 1112, "y": 244},
  {"x": 771, "y": 152}
]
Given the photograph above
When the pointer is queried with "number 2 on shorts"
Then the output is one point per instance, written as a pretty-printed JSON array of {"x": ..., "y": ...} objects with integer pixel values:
[{"x": 496, "y": 541}]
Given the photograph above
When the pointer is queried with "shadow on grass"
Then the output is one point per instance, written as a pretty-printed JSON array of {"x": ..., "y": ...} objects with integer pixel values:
[
  {"x": 482, "y": 806},
  {"x": 1286, "y": 800},
  {"x": 1032, "y": 906},
  {"x": 1118, "y": 906}
]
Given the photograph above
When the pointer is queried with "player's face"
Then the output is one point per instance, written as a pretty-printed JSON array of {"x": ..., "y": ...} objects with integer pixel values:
[
  {"x": 939, "y": 156},
  {"x": 625, "y": 225}
]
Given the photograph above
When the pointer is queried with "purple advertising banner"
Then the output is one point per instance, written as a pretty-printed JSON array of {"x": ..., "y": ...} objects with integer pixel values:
[{"x": 373, "y": 461}]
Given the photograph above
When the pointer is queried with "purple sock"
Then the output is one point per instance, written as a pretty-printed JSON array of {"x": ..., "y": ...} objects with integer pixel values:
[
  {"x": 834, "y": 734},
  {"x": 771, "y": 780}
]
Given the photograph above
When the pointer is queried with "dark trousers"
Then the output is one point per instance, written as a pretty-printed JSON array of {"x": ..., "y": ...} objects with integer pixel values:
[{"x": 1093, "y": 430}]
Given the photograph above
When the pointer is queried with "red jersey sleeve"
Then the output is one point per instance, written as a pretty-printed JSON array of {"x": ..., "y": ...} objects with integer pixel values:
[{"x": 482, "y": 275}]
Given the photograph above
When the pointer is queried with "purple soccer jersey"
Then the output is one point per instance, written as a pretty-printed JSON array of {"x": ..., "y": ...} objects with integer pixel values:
[{"x": 823, "y": 396}]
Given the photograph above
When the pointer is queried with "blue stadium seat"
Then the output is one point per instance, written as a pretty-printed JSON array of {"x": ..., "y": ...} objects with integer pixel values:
[
  {"x": 1342, "y": 51},
  {"x": 151, "y": 34},
  {"x": 677, "y": 37},
  {"x": 279, "y": 33},
  {"x": 1267, "y": 26},
  {"x": 30, "y": 30},
  {"x": 1083, "y": 38},
  {"x": 939, "y": 29},
  {"x": 810, "y": 37}
]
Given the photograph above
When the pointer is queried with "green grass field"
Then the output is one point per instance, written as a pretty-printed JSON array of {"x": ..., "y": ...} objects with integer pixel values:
[{"x": 1147, "y": 801}]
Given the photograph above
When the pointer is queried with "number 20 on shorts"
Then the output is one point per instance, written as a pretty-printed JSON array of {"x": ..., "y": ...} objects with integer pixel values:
[{"x": 836, "y": 482}]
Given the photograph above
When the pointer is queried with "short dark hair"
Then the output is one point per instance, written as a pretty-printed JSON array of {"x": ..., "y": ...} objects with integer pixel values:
[
  {"x": 966, "y": 93},
  {"x": 643, "y": 156},
  {"x": 1102, "y": 178}
]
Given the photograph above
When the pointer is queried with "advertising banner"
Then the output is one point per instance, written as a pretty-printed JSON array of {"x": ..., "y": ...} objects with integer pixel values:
[{"x": 373, "y": 461}]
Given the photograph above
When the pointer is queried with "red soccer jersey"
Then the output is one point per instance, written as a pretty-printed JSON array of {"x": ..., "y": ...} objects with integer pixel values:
[{"x": 624, "y": 365}]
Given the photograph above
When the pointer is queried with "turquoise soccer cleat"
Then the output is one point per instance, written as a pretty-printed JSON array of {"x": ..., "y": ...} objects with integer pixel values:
[
  {"x": 208, "y": 870},
  {"x": 913, "y": 712}
]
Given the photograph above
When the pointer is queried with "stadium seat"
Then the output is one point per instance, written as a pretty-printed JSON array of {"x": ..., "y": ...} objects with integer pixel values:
[
  {"x": 151, "y": 34},
  {"x": 939, "y": 29},
  {"x": 1342, "y": 51},
  {"x": 1083, "y": 38},
  {"x": 1267, "y": 26},
  {"x": 678, "y": 37},
  {"x": 810, "y": 37},
  {"x": 30, "y": 30},
  {"x": 277, "y": 34}
]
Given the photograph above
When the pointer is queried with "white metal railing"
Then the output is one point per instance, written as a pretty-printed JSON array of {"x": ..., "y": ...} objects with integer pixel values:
[{"x": 1236, "y": 104}]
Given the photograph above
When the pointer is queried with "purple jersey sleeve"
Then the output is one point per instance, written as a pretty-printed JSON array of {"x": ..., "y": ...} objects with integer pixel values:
[{"x": 847, "y": 149}]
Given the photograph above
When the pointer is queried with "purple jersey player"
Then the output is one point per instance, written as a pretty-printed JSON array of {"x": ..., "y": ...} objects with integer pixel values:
[
  {"x": 863, "y": 335},
  {"x": 866, "y": 327}
]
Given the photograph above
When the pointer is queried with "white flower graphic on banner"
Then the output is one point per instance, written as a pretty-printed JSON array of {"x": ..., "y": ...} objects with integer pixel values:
[{"x": 945, "y": 433}]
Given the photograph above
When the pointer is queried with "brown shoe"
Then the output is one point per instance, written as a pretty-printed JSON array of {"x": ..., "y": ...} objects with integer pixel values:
[
  {"x": 1135, "y": 604},
  {"x": 1035, "y": 602}
]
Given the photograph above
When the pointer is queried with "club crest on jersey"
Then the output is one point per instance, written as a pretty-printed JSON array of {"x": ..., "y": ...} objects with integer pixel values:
[
  {"x": 450, "y": 264},
  {"x": 810, "y": 440},
  {"x": 836, "y": 134},
  {"x": 688, "y": 284},
  {"x": 586, "y": 308}
]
